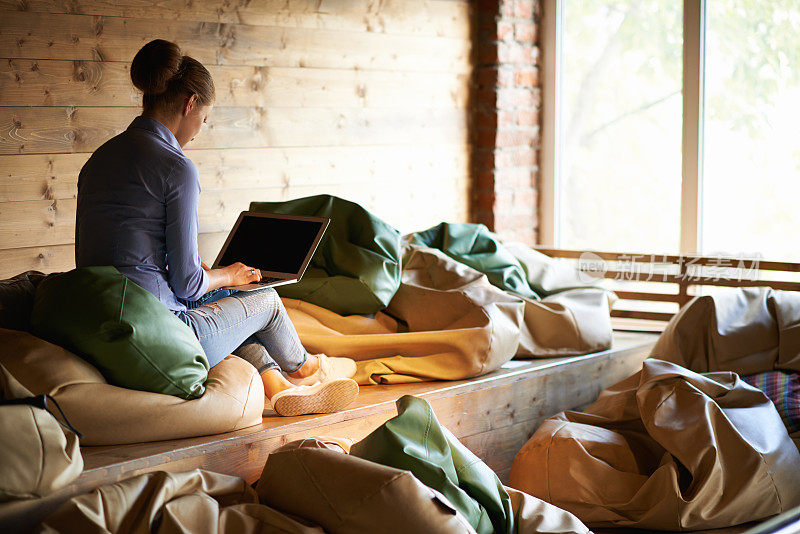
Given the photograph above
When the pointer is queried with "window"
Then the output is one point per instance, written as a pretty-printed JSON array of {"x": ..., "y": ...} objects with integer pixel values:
[
  {"x": 671, "y": 127},
  {"x": 751, "y": 173}
]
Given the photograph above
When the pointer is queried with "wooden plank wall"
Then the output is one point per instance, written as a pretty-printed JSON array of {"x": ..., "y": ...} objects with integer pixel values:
[{"x": 364, "y": 99}]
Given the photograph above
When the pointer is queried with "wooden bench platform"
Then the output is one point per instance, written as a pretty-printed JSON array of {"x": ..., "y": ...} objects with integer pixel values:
[{"x": 493, "y": 415}]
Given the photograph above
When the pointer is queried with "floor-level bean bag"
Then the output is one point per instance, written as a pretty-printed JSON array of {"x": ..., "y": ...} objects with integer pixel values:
[
  {"x": 745, "y": 330},
  {"x": 353, "y": 495},
  {"x": 665, "y": 449},
  {"x": 198, "y": 501},
  {"x": 107, "y": 415},
  {"x": 754, "y": 332},
  {"x": 347, "y": 495},
  {"x": 415, "y": 441}
]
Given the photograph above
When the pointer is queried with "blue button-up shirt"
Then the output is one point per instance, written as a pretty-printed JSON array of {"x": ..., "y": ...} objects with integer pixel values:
[{"x": 137, "y": 211}]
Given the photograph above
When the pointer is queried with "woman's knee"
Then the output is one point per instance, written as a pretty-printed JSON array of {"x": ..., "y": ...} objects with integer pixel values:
[{"x": 260, "y": 301}]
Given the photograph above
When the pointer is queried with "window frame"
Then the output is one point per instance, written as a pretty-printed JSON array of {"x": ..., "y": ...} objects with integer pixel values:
[{"x": 693, "y": 85}]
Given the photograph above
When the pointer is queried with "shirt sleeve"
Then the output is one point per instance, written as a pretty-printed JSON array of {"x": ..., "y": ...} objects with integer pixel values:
[{"x": 187, "y": 278}]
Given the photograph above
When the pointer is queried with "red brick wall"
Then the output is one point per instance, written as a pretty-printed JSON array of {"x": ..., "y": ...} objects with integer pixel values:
[{"x": 506, "y": 117}]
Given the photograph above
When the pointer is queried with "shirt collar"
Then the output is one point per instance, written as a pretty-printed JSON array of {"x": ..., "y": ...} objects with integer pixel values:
[{"x": 153, "y": 125}]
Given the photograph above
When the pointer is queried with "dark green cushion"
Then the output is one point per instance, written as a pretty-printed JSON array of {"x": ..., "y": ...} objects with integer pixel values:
[
  {"x": 356, "y": 268},
  {"x": 129, "y": 335}
]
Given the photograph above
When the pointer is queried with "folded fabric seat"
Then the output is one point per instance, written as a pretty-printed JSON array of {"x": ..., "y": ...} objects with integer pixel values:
[
  {"x": 666, "y": 449},
  {"x": 314, "y": 485},
  {"x": 754, "y": 332},
  {"x": 450, "y": 303},
  {"x": 106, "y": 414}
]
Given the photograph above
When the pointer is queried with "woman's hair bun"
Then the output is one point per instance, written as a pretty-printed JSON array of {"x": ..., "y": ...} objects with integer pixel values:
[{"x": 155, "y": 65}]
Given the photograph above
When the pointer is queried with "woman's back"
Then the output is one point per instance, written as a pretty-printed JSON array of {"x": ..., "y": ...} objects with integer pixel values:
[{"x": 137, "y": 202}]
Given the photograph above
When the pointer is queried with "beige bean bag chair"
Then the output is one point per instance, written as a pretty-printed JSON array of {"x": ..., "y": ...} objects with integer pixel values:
[
  {"x": 445, "y": 322},
  {"x": 573, "y": 318},
  {"x": 353, "y": 495},
  {"x": 108, "y": 415},
  {"x": 745, "y": 330},
  {"x": 448, "y": 322},
  {"x": 665, "y": 449},
  {"x": 37, "y": 456},
  {"x": 173, "y": 503}
]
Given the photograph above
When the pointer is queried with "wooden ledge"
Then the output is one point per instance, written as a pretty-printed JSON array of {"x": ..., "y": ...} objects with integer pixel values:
[
  {"x": 493, "y": 415},
  {"x": 569, "y": 382}
]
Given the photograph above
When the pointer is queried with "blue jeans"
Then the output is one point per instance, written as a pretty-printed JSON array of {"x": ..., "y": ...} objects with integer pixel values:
[{"x": 250, "y": 324}]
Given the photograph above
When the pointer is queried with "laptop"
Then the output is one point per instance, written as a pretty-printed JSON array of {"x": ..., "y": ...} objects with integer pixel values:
[{"x": 280, "y": 246}]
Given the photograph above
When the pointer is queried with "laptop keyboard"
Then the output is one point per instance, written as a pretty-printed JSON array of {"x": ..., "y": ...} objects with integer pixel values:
[{"x": 268, "y": 280}]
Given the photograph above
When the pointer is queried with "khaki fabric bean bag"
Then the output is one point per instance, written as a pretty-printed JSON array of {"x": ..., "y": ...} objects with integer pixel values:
[
  {"x": 665, "y": 449},
  {"x": 345, "y": 494},
  {"x": 535, "y": 515},
  {"x": 350, "y": 494},
  {"x": 564, "y": 314},
  {"x": 307, "y": 485},
  {"x": 37, "y": 457},
  {"x": 108, "y": 415},
  {"x": 195, "y": 501},
  {"x": 573, "y": 316},
  {"x": 745, "y": 330},
  {"x": 447, "y": 322},
  {"x": 568, "y": 323}
]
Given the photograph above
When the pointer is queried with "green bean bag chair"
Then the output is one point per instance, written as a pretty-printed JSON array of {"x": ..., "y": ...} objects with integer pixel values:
[
  {"x": 122, "y": 329},
  {"x": 474, "y": 245},
  {"x": 356, "y": 269},
  {"x": 415, "y": 441}
]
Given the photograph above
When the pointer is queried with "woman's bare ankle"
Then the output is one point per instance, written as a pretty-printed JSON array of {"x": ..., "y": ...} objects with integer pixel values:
[
  {"x": 274, "y": 382},
  {"x": 308, "y": 368}
]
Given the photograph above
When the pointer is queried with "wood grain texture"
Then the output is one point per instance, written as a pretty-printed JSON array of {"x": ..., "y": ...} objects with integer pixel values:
[
  {"x": 33, "y": 223},
  {"x": 25, "y": 82},
  {"x": 27, "y": 35},
  {"x": 446, "y": 18},
  {"x": 362, "y": 99},
  {"x": 55, "y": 176},
  {"x": 60, "y": 258},
  {"x": 37, "y": 223},
  {"x": 47, "y": 259},
  {"x": 49, "y": 130}
]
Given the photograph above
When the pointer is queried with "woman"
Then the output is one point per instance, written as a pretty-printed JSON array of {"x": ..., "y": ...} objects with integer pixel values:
[{"x": 137, "y": 211}]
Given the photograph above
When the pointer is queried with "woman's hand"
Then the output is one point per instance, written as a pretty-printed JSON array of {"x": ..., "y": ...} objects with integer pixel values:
[
  {"x": 240, "y": 274},
  {"x": 236, "y": 274}
]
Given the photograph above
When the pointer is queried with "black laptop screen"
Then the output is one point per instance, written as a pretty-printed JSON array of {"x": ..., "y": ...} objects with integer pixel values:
[{"x": 270, "y": 244}]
